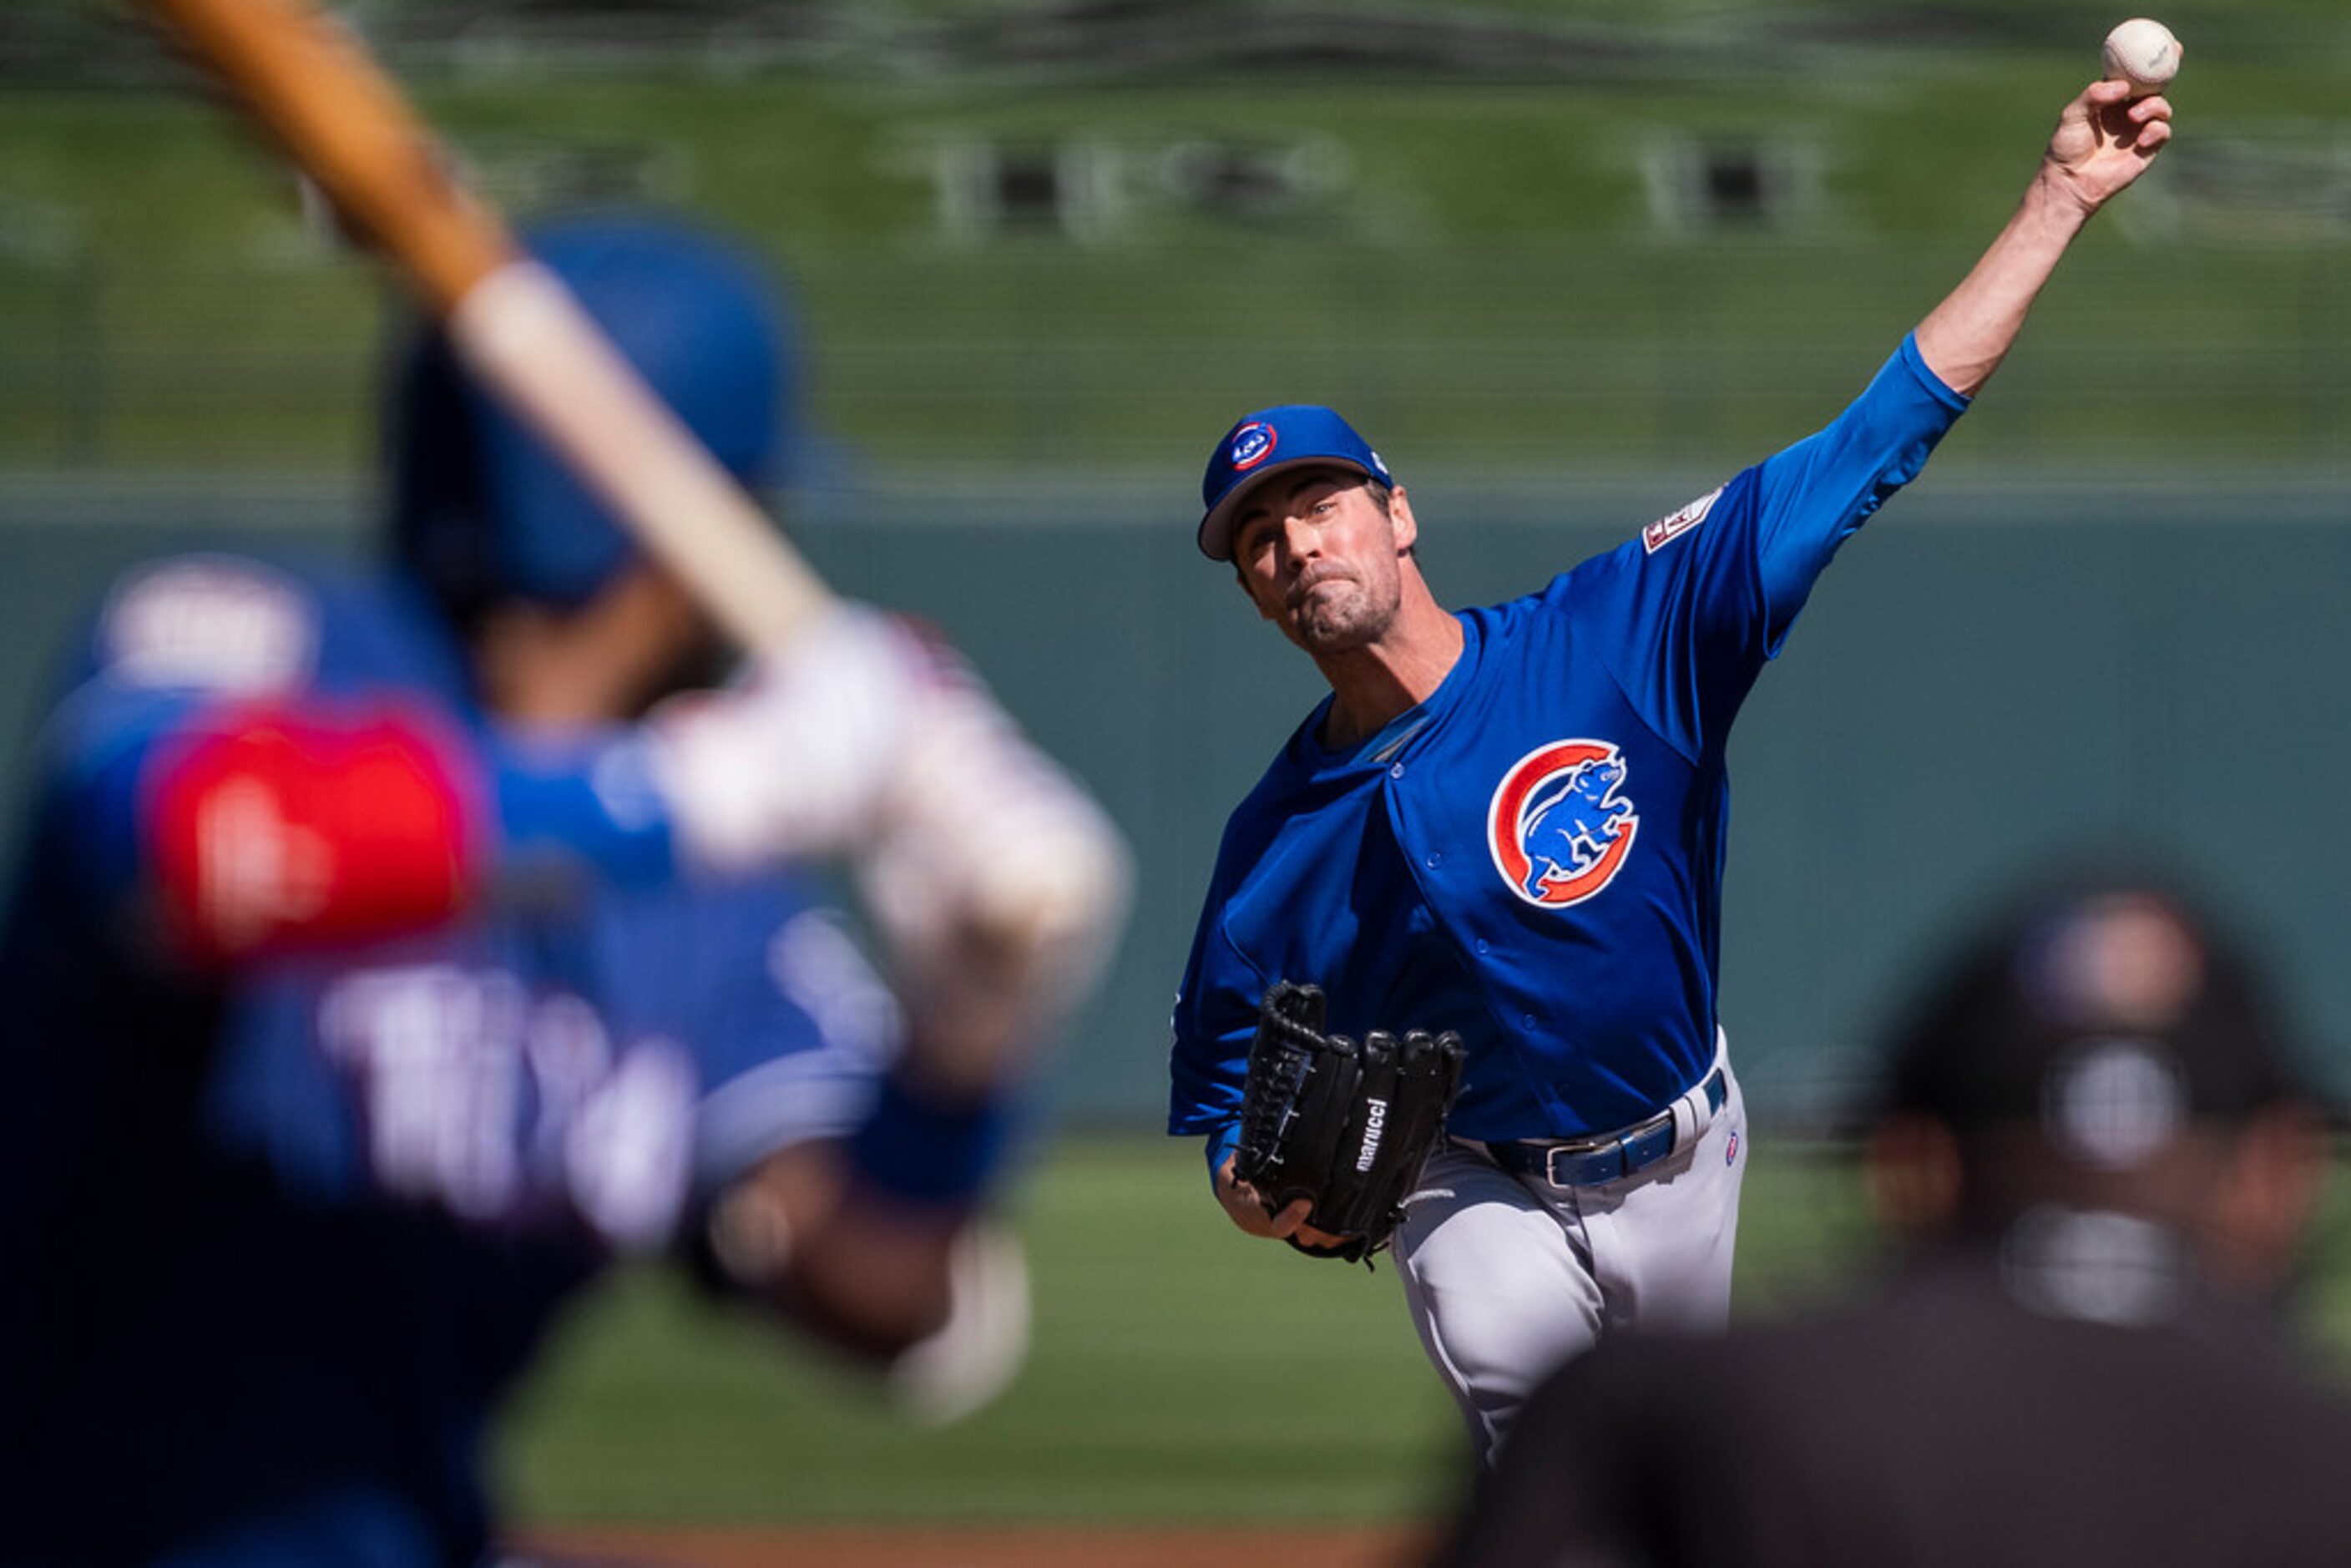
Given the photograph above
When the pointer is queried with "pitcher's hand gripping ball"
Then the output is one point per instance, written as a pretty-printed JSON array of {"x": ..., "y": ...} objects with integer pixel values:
[
  {"x": 1345, "y": 1125},
  {"x": 2143, "y": 53}
]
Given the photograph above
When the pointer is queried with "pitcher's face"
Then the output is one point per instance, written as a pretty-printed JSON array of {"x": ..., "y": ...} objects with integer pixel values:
[{"x": 1320, "y": 552}]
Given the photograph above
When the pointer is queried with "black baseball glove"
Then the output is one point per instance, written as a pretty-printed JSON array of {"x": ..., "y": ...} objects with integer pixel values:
[{"x": 1346, "y": 1125}]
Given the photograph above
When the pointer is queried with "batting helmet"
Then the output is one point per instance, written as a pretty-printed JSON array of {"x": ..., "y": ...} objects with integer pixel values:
[{"x": 483, "y": 511}]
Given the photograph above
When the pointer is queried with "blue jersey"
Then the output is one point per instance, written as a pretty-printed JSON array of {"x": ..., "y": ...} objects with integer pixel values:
[
  {"x": 272, "y": 1244},
  {"x": 1533, "y": 856}
]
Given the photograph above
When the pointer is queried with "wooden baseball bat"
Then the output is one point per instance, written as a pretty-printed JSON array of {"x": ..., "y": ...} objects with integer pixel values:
[
  {"x": 519, "y": 330},
  {"x": 522, "y": 334}
]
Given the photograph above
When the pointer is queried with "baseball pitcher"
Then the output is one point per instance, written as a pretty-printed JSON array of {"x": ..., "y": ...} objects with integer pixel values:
[{"x": 1508, "y": 824}]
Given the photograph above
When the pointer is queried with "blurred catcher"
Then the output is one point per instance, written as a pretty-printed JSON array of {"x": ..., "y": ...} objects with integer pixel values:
[
  {"x": 391, "y": 950},
  {"x": 2102, "y": 1161}
]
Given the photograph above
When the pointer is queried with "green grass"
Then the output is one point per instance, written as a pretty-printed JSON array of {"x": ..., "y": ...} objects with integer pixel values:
[{"x": 1180, "y": 1373}]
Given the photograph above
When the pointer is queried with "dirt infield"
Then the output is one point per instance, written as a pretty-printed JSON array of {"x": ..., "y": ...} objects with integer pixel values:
[{"x": 976, "y": 1546}]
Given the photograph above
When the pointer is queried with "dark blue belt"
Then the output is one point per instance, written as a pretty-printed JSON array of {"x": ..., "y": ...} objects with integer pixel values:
[{"x": 1602, "y": 1158}]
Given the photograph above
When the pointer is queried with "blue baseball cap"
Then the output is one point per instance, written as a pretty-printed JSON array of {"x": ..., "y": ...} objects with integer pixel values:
[
  {"x": 1266, "y": 443},
  {"x": 483, "y": 511}
]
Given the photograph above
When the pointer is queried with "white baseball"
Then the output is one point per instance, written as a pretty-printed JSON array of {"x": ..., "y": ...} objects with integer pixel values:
[{"x": 2143, "y": 53}]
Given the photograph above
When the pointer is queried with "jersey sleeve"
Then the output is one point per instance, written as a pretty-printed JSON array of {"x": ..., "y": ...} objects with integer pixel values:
[
  {"x": 793, "y": 1041},
  {"x": 1688, "y": 613},
  {"x": 1215, "y": 1014},
  {"x": 1813, "y": 497},
  {"x": 808, "y": 1045}
]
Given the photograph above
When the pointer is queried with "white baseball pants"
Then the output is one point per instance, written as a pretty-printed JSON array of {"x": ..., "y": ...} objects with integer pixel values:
[{"x": 1506, "y": 1276}]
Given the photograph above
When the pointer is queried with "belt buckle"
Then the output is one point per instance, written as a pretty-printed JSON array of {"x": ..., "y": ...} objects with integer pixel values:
[
  {"x": 1571, "y": 1151},
  {"x": 1636, "y": 1147},
  {"x": 1589, "y": 1144},
  {"x": 1629, "y": 1149},
  {"x": 1583, "y": 1149}
]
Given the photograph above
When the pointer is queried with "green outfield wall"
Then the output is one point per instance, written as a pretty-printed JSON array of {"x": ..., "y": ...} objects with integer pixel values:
[{"x": 1990, "y": 681}]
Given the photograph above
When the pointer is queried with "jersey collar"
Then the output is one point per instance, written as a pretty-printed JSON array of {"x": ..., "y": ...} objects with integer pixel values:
[{"x": 1382, "y": 748}]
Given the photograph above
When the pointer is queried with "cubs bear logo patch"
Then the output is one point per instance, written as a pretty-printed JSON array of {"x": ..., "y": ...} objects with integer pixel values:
[{"x": 1560, "y": 824}]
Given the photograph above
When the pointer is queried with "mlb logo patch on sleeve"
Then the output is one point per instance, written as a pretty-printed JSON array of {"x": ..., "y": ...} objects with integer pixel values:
[{"x": 1671, "y": 527}]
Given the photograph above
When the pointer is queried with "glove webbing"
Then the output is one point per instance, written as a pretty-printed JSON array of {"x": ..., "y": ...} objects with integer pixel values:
[{"x": 1372, "y": 1111}]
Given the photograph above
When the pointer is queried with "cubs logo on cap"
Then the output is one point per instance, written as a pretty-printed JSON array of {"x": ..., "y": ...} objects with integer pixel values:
[
  {"x": 1301, "y": 434},
  {"x": 1560, "y": 825},
  {"x": 1253, "y": 444}
]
